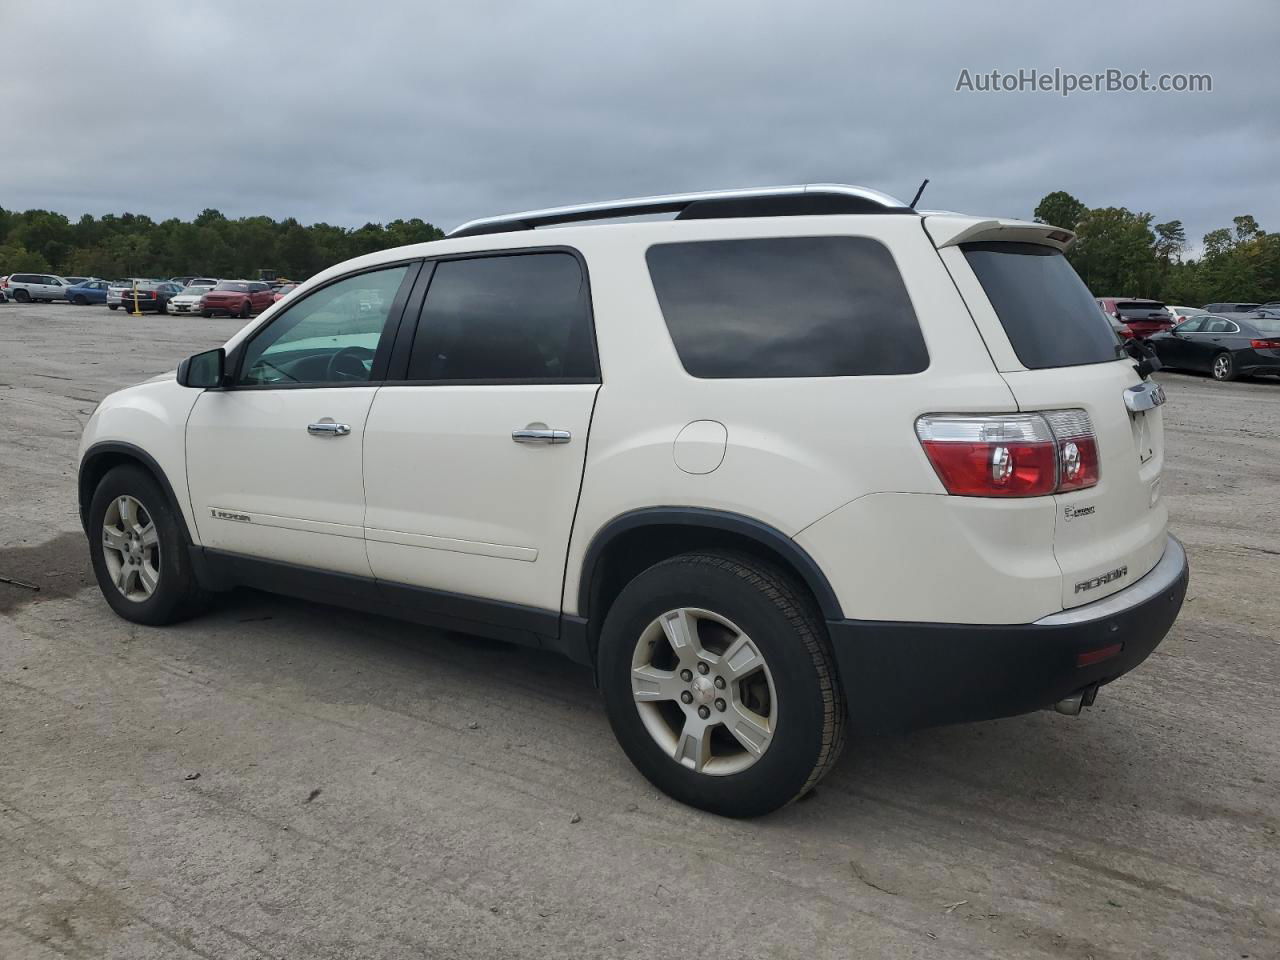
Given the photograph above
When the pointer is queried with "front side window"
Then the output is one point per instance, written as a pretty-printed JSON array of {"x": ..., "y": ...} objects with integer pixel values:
[
  {"x": 332, "y": 336},
  {"x": 519, "y": 318},
  {"x": 787, "y": 307}
]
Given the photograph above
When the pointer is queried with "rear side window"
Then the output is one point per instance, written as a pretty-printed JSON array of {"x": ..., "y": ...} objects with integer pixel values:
[
  {"x": 1047, "y": 312},
  {"x": 522, "y": 318},
  {"x": 787, "y": 307}
]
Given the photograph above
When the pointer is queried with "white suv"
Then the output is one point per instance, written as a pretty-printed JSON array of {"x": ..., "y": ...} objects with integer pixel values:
[{"x": 798, "y": 458}]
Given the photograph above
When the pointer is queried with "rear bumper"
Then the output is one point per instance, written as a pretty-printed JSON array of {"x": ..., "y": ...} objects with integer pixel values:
[{"x": 901, "y": 676}]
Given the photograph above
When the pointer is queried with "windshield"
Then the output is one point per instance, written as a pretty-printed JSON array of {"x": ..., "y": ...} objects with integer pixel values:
[
  {"x": 1048, "y": 313},
  {"x": 233, "y": 287}
]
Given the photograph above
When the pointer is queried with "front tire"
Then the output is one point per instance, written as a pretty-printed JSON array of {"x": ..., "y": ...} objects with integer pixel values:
[
  {"x": 138, "y": 549},
  {"x": 80, "y": 300},
  {"x": 1224, "y": 367},
  {"x": 114, "y": 306},
  {"x": 245, "y": 310},
  {"x": 719, "y": 683}
]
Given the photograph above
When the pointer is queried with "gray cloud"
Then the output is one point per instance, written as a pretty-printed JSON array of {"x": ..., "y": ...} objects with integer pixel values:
[{"x": 350, "y": 113}]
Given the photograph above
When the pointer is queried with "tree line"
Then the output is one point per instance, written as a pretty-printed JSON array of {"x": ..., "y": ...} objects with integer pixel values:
[
  {"x": 1117, "y": 252},
  {"x": 133, "y": 245},
  {"x": 1121, "y": 253}
]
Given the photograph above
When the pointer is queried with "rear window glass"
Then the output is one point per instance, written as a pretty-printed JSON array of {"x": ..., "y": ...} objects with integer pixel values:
[
  {"x": 787, "y": 307},
  {"x": 1144, "y": 306},
  {"x": 1047, "y": 312}
]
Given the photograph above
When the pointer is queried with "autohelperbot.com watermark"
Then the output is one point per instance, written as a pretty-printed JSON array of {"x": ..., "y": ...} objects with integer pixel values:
[{"x": 1065, "y": 82}]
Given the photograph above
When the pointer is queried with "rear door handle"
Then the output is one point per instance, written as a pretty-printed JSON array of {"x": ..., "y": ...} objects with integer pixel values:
[
  {"x": 530, "y": 435},
  {"x": 328, "y": 429}
]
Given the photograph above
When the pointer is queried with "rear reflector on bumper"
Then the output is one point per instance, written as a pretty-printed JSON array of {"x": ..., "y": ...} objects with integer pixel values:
[{"x": 1090, "y": 657}]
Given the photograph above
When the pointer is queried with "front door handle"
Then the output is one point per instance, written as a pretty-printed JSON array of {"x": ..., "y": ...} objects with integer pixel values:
[
  {"x": 328, "y": 429},
  {"x": 531, "y": 435}
]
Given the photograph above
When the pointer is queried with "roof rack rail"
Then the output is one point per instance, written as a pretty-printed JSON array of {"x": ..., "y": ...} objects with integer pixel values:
[{"x": 789, "y": 201}]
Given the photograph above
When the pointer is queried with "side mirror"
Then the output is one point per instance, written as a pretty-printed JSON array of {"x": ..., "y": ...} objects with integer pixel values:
[{"x": 204, "y": 370}]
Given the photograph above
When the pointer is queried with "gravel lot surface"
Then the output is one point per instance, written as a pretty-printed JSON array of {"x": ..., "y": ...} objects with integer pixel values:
[{"x": 282, "y": 780}]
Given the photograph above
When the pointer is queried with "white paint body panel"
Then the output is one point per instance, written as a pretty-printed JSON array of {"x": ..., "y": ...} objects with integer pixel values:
[
  {"x": 249, "y": 453},
  {"x": 453, "y": 503}
]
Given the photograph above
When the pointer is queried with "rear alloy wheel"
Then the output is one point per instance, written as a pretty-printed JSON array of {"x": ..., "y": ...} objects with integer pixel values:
[
  {"x": 719, "y": 683},
  {"x": 1224, "y": 367}
]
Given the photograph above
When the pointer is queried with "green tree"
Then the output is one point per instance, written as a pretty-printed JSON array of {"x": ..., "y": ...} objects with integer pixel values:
[{"x": 1060, "y": 209}]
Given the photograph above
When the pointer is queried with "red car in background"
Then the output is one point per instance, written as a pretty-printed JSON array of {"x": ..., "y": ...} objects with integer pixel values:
[
  {"x": 283, "y": 290},
  {"x": 236, "y": 298},
  {"x": 1141, "y": 317}
]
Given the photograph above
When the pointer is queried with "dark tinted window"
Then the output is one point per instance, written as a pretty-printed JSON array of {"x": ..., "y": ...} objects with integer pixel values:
[
  {"x": 1139, "y": 306},
  {"x": 787, "y": 307},
  {"x": 515, "y": 318},
  {"x": 1047, "y": 312}
]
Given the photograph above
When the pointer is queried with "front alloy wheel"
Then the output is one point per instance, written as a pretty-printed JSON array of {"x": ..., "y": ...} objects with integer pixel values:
[
  {"x": 131, "y": 548},
  {"x": 704, "y": 691}
]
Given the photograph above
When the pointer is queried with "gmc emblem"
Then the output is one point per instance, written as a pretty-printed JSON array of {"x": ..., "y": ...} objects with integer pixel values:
[{"x": 1109, "y": 577}]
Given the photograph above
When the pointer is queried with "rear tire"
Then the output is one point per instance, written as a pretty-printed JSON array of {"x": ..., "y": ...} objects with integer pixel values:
[
  {"x": 80, "y": 300},
  {"x": 113, "y": 306},
  {"x": 744, "y": 615},
  {"x": 139, "y": 552},
  {"x": 206, "y": 313},
  {"x": 1224, "y": 367},
  {"x": 245, "y": 309},
  {"x": 22, "y": 296}
]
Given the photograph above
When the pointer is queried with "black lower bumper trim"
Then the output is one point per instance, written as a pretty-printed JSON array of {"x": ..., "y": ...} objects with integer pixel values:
[{"x": 900, "y": 676}]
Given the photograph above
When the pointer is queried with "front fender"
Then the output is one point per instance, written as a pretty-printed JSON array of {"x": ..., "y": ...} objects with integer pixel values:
[{"x": 148, "y": 423}]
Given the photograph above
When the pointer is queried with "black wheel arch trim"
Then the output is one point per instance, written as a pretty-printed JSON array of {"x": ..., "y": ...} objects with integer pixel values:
[
  {"x": 706, "y": 518},
  {"x": 85, "y": 492}
]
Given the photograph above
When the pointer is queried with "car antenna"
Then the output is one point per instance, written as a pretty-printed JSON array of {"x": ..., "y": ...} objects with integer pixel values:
[{"x": 916, "y": 198}]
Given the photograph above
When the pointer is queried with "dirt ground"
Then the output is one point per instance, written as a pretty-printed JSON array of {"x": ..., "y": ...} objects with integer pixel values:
[{"x": 282, "y": 780}]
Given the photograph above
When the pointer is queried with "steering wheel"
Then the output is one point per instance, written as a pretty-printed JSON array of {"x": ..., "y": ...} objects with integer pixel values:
[{"x": 349, "y": 364}]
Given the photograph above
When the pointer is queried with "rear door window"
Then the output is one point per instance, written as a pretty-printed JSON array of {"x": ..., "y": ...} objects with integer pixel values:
[
  {"x": 523, "y": 318},
  {"x": 1047, "y": 312},
  {"x": 787, "y": 307}
]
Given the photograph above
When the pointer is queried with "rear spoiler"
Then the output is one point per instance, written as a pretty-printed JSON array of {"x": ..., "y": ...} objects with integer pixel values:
[{"x": 949, "y": 230}]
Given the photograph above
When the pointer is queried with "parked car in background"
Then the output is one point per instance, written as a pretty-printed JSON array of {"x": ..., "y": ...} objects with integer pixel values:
[
  {"x": 76, "y": 281},
  {"x": 150, "y": 295},
  {"x": 33, "y": 287},
  {"x": 1142, "y": 317},
  {"x": 1225, "y": 347},
  {"x": 237, "y": 298},
  {"x": 87, "y": 291},
  {"x": 116, "y": 289},
  {"x": 1216, "y": 308},
  {"x": 194, "y": 281},
  {"x": 187, "y": 300},
  {"x": 282, "y": 291},
  {"x": 1182, "y": 313}
]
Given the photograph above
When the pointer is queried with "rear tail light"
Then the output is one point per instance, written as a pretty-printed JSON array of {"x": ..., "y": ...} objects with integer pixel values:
[
  {"x": 1265, "y": 344},
  {"x": 1013, "y": 454}
]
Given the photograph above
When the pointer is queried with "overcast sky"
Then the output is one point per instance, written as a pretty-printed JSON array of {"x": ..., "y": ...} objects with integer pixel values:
[{"x": 371, "y": 111}]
